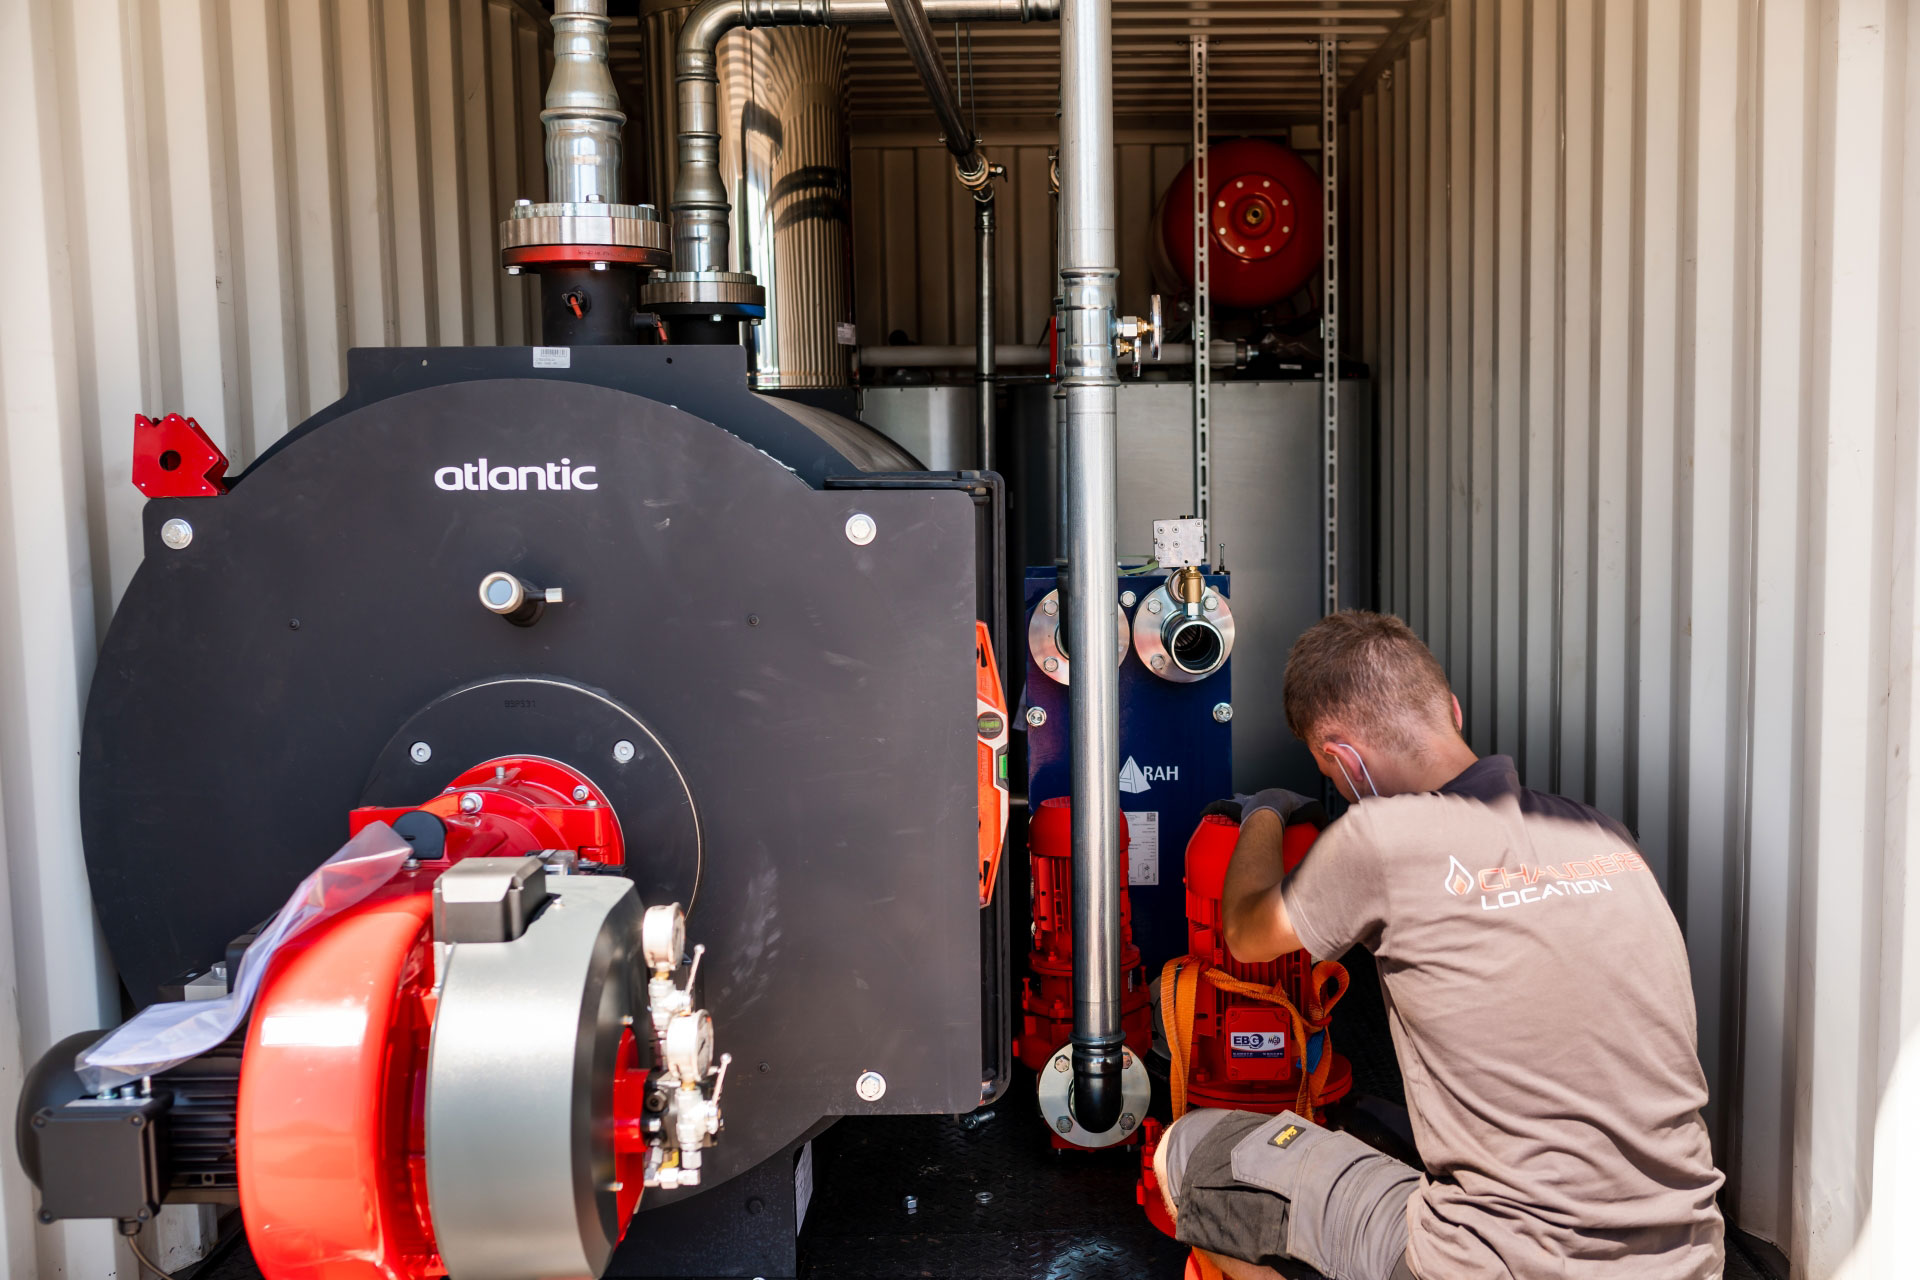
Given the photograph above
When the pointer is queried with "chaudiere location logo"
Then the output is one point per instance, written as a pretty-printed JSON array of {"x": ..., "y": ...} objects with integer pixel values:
[
  {"x": 480, "y": 474},
  {"x": 1503, "y": 887}
]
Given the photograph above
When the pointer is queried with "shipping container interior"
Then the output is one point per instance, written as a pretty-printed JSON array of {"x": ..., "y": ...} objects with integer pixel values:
[{"x": 1583, "y": 335}]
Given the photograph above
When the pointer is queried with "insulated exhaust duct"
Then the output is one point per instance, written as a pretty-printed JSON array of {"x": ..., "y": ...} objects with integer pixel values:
[
  {"x": 713, "y": 275},
  {"x": 793, "y": 191}
]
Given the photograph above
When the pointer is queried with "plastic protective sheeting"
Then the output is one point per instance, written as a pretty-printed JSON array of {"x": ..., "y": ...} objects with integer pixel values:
[{"x": 163, "y": 1036}]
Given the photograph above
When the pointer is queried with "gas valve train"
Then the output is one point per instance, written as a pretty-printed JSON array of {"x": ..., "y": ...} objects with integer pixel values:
[{"x": 611, "y": 652}]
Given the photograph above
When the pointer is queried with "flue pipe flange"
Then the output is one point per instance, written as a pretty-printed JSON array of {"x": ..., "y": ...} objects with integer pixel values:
[
  {"x": 731, "y": 293},
  {"x": 634, "y": 234},
  {"x": 637, "y": 226}
]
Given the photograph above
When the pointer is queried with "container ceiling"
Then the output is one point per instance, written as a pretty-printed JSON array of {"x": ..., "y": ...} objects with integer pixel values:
[
  {"x": 1264, "y": 61},
  {"x": 1263, "y": 58}
]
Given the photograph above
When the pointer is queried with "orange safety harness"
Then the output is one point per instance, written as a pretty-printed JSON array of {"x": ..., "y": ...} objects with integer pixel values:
[
  {"x": 1180, "y": 988},
  {"x": 1179, "y": 991}
]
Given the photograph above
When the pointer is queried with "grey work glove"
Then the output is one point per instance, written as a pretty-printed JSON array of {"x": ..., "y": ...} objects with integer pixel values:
[{"x": 1286, "y": 805}]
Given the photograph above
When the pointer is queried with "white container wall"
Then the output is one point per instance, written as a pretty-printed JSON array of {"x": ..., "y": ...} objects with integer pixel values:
[
  {"x": 209, "y": 202},
  {"x": 1640, "y": 285}
]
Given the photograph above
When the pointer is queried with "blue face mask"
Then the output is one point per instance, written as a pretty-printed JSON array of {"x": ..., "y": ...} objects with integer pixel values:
[{"x": 1349, "y": 777}]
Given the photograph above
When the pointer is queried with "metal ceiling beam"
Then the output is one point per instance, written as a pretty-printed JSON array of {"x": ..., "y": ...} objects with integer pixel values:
[{"x": 1418, "y": 17}]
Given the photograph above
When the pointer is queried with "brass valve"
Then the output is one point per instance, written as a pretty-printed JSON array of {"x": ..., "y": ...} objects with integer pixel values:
[
  {"x": 1188, "y": 587},
  {"x": 1131, "y": 333}
]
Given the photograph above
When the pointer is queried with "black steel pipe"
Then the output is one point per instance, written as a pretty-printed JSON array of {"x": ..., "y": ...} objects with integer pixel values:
[
  {"x": 916, "y": 32},
  {"x": 983, "y": 373}
]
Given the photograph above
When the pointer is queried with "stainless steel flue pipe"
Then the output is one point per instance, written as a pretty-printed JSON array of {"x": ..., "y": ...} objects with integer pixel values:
[
  {"x": 582, "y": 118},
  {"x": 700, "y": 208},
  {"x": 1088, "y": 272}
]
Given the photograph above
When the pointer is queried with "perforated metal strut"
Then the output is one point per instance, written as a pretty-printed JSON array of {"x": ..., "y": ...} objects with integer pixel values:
[
  {"x": 1202, "y": 298},
  {"x": 1330, "y": 320}
]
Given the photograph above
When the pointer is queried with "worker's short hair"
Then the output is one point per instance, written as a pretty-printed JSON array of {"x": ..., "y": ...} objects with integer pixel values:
[{"x": 1370, "y": 673}]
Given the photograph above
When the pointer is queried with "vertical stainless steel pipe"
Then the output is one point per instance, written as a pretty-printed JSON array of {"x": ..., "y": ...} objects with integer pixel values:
[
  {"x": 983, "y": 372},
  {"x": 1088, "y": 271},
  {"x": 700, "y": 209}
]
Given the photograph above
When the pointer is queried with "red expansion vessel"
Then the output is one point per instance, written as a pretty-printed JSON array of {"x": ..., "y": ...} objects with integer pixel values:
[{"x": 1264, "y": 241}]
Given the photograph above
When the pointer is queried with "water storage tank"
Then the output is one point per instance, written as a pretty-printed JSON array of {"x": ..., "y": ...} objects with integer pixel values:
[{"x": 1265, "y": 235}]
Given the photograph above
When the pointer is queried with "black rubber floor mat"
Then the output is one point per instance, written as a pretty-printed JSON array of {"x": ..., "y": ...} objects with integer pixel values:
[{"x": 990, "y": 1198}]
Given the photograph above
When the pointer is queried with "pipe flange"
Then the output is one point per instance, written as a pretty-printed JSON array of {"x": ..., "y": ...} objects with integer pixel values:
[
  {"x": 703, "y": 290},
  {"x": 1043, "y": 636},
  {"x": 1056, "y": 1099},
  {"x": 613, "y": 226},
  {"x": 1180, "y": 648}
]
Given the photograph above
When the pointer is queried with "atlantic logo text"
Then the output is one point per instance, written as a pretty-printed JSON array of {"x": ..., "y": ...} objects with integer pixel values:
[
  {"x": 480, "y": 474},
  {"x": 1502, "y": 887}
]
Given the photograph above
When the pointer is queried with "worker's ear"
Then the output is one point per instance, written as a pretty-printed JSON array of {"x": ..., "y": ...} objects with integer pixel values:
[{"x": 1459, "y": 717}]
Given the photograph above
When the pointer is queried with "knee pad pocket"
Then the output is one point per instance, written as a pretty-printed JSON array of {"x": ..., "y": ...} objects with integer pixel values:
[{"x": 1336, "y": 1188}]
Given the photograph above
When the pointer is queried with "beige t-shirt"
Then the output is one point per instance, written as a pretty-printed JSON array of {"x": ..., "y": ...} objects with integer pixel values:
[{"x": 1537, "y": 987}]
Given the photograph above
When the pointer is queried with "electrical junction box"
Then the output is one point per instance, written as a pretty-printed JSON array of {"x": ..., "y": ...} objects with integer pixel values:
[
  {"x": 99, "y": 1158},
  {"x": 1176, "y": 744},
  {"x": 1178, "y": 544}
]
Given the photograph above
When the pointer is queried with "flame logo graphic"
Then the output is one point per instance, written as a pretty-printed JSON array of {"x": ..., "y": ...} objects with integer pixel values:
[{"x": 1459, "y": 879}]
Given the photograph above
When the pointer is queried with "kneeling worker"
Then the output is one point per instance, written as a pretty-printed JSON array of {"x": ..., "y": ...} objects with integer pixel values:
[{"x": 1538, "y": 992}]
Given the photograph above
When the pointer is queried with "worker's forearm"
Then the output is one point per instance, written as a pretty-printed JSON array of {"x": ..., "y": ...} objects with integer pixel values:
[{"x": 1250, "y": 906}]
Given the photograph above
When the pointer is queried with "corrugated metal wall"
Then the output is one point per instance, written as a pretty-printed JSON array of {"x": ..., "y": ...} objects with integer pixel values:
[
  {"x": 1639, "y": 279},
  {"x": 914, "y": 247},
  {"x": 208, "y": 202},
  {"x": 1640, "y": 284}
]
